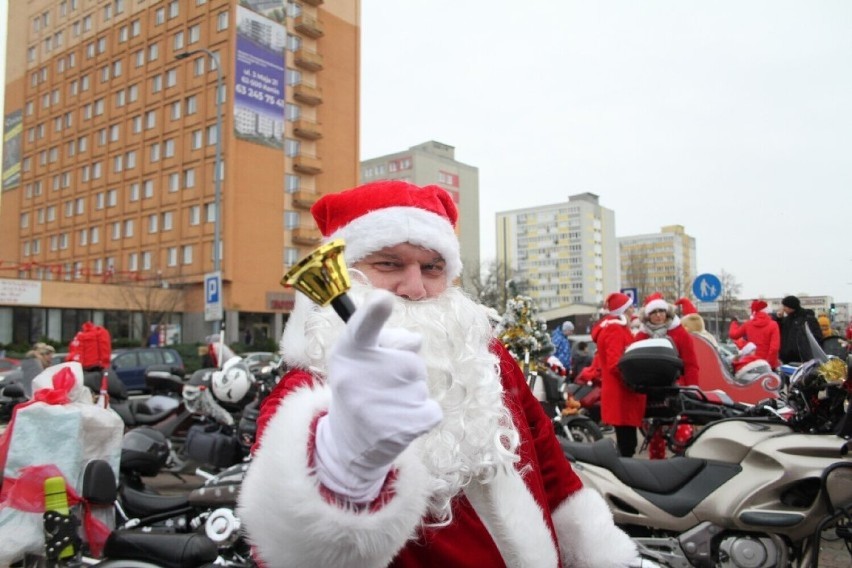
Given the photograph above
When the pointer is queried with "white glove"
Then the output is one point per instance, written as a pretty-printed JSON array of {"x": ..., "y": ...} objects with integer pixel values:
[{"x": 379, "y": 402}]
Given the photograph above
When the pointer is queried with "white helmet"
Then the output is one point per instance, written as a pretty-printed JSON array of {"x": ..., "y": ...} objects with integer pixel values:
[{"x": 233, "y": 382}]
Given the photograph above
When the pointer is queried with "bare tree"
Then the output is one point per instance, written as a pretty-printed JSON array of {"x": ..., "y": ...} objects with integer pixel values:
[
  {"x": 636, "y": 271},
  {"x": 155, "y": 301},
  {"x": 490, "y": 284},
  {"x": 729, "y": 298}
]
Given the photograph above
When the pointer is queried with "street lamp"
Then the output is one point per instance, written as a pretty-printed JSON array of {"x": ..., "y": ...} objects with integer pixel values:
[{"x": 217, "y": 168}]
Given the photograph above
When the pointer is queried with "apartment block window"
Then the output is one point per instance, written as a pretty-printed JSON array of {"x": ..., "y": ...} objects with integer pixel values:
[
  {"x": 100, "y": 199},
  {"x": 168, "y": 221},
  {"x": 116, "y": 230},
  {"x": 139, "y": 57},
  {"x": 85, "y": 83},
  {"x": 292, "y": 183},
  {"x": 133, "y": 262},
  {"x": 150, "y": 119},
  {"x": 112, "y": 198},
  {"x": 98, "y": 266},
  {"x": 211, "y": 135},
  {"x": 222, "y": 21},
  {"x": 174, "y": 182},
  {"x": 25, "y": 220},
  {"x": 292, "y": 147},
  {"x": 102, "y": 45},
  {"x": 97, "y": 170},
  {"x": 171, "y": 78},
  {"x": 104, "y": 73},
  {"x": 118, "y": 164},
  {"x": 155, "y": 152},
  {"x": 196, "y": 139},
  {"x": 174, "y": 9},
  {"x": 194, "y": 33},
  {"x": 156, "y": 83},
  {"x": 128, "y": 228},
  {"x": 133, "y": 93},
  {"x": 174, "y": 110},
  {"x": 135, "y": 28},
  {"x": 123, "y": 34},
  {"x": 69, "y": 208},
  {"x": 130, "y": 159},
  {"x": 291, "y": 219},
  {"x": 136, "y": 124},
  {"x": 153, "y": 52},
  {"x": 186, "y": 253},
  {"x": 171, "y": 256},
  {"x": 189, "y": 178},
  {"x": 51, "y": 214},
  {"x": 83, "y": 237},
  {"x": 148, "y": 189},
  {"x": 159, "y": 16},
  {"x": 191, "y": 104},
  {"x": 152, "y": 223},
  {"x": 114, "y": 133},
  {"x": 99, "y": 107},
  {"x": 169, "y": 148},
  {"x": 94, "y": 235},
  {"x": 119, "y": 7},
  {"x": 178, "y": 41},
  {"x": 63, "y": 241},
  {"x": 291, "y": 256},
  {"x": 210, "y": 212},
  {"x": 195, "y": 215},
  {"x": 134, "y": 192},
  {"x": 82, "y": 144},
  {"x": 85, "y": 173},
  {"x": 198, "y": 66}
]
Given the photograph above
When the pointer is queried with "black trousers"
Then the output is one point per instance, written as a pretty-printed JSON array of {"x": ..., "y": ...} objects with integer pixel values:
[{"x": 626, "y": 438}]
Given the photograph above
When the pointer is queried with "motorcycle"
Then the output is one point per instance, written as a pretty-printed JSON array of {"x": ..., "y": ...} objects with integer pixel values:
[
  {"x": 755, "y": 490},
  {"x": 546, "y": 381}
]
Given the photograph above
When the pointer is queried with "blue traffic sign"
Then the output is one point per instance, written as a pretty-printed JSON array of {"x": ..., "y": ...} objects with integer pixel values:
[
  {"x": 631, "y": 293},
  {"x": 707, "y": 287}
]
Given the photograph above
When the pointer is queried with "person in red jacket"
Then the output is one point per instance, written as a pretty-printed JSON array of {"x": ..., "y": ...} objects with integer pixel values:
[
  {"x": 621, "y": 407},
  {"x": 659, "y": 320},
  {"x": 408, "y": 436},
  {"x": 761, "y": 330}
]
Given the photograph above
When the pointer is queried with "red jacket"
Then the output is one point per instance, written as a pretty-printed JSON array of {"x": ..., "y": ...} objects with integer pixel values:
[
  {"x": 763, "y": 331},
  {"x": 620, "y": 406},
  {"x": 686, "y": 352}
]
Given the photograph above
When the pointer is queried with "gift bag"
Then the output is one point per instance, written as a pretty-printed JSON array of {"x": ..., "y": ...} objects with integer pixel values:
[{"x": 60, "y": 429}]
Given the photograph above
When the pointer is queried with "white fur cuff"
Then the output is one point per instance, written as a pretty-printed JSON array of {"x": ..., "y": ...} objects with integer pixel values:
[{"x": 588, "y": 537}]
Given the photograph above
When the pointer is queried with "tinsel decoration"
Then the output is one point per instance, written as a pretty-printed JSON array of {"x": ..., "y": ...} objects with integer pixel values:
[{"x": 522, "y": 332}]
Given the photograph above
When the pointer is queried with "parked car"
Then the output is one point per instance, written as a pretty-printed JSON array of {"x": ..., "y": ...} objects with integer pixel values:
[
  {"x": 7, "y": 364},
  {"x": 130, "y": 364}
]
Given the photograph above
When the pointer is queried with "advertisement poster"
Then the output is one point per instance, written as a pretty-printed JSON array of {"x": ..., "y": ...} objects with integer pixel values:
[
  {"x": 259, "y": 79},
  {"x": 12, "y": 130}
]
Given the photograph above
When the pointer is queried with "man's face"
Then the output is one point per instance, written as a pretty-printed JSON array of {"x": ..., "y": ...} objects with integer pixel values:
[
  {"x": 407, "y": 270},
  {"x": 787, "y": 311}
]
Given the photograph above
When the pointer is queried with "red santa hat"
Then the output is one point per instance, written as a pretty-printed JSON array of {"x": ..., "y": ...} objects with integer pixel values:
[
  {"x": 655, "y": 302},
  {"x": 686, "y": 307},
  {"x": 617, "y": 303},
  {"x": 758, "y": 306},
  {"x": 382, "y": 214}
]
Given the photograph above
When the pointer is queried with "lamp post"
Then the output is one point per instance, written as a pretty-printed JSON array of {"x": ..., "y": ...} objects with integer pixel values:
[{"x": 217, "y": 168}]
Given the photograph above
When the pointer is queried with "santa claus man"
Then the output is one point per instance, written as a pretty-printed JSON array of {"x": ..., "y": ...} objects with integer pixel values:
[{"x": 408, "y": 436}]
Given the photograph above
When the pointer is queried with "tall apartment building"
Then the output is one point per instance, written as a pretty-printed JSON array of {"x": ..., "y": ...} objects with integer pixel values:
[
  {"x": 563, "y": 254},
  {"x": 435, "y": 163},
  {"x": 659, "y": 262},
  {"x": 110, "y": 144}
]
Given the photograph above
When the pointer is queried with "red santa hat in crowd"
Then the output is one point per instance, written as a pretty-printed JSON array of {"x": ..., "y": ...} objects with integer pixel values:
[
  {"x": 655, "y": 302},
  {"x": 617, "y": 303},
  {"x": 381, "y": 214},
  {"x": 686, "y": 307},
  {"x": 758, "y": 306}
]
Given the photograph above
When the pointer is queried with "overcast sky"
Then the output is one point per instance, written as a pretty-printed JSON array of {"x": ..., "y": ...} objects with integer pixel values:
[{"x": 731, "y": 118}]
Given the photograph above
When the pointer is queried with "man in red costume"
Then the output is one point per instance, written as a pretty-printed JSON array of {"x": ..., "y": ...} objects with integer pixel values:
[
  {"x": 408, "y": 436},
  {"x": 761, "y": 330},
  {"x": 621, "y": 407}
]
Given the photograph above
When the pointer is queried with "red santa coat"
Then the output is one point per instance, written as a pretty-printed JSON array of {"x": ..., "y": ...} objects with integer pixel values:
[
  {"x": 763, "y": 331},
  {"x": 542, "y": 517},
  {"x": 685, "y": 350},
  {"x": 620, "y": 406}
]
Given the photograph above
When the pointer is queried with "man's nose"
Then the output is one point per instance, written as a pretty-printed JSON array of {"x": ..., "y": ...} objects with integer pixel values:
[{"x": 410, "y": 285}]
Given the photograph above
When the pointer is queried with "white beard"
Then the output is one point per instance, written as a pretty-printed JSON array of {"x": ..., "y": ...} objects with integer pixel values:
[{"x": 476, "y": 436}]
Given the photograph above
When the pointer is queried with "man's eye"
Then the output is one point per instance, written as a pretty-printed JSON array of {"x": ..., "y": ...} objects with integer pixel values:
[
  {"x": 385, "y": 265},
  {"x": 434, "y": 269}
]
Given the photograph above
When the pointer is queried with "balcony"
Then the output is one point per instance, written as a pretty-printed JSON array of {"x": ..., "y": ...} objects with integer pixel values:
[
  {"x": 312, "y": 2},
  {"x": 307, "y": 165},
  {"x": 308, "y": 60},
  {"x": 307, "y": 129},
  {"x": 304, "y": 199},
  {"x": 307, "y": 94},
  {"x": 309, "y": 27},
  {"x": 306, "y": 236}
]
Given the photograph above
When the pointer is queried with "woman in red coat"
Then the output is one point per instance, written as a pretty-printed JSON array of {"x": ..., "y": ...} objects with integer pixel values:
[
  {"x": 659, "y": 320},
  {"x": 621, "y": 407},
  {"x": 761, "y": 330}
]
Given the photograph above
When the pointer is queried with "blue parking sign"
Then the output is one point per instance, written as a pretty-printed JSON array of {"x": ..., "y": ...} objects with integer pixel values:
[{"x": 213, "y": 296}]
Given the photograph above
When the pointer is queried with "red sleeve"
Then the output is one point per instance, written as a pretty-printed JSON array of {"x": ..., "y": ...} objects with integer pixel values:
[
  {"x": 614, "y": 345},
  {"x": 558, "y": 478},
  {"x": 686, "y": 350},
  {"x": 735, "y": 330}
]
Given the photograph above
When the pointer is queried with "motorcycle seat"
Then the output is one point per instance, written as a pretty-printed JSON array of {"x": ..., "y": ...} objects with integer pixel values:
[
  {"x": 655, "y": 476},
  {"x": 144, "y": 504},
  {"x": 139, "y": 413},
  {"x": 172, "y": 550}
]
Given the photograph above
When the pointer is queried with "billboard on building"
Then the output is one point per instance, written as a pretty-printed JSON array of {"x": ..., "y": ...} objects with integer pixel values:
[
  {"x": 259, "y": 79},
  {"x": 12, "y": 130}
]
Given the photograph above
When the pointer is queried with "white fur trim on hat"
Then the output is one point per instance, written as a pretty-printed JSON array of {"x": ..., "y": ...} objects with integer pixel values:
[
  {"x": 391, "y": 226},
  {"x": 656, "y": 304}
]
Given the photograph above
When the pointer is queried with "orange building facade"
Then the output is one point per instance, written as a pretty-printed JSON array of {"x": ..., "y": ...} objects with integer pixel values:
[{"x": 108, "y": 209}]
